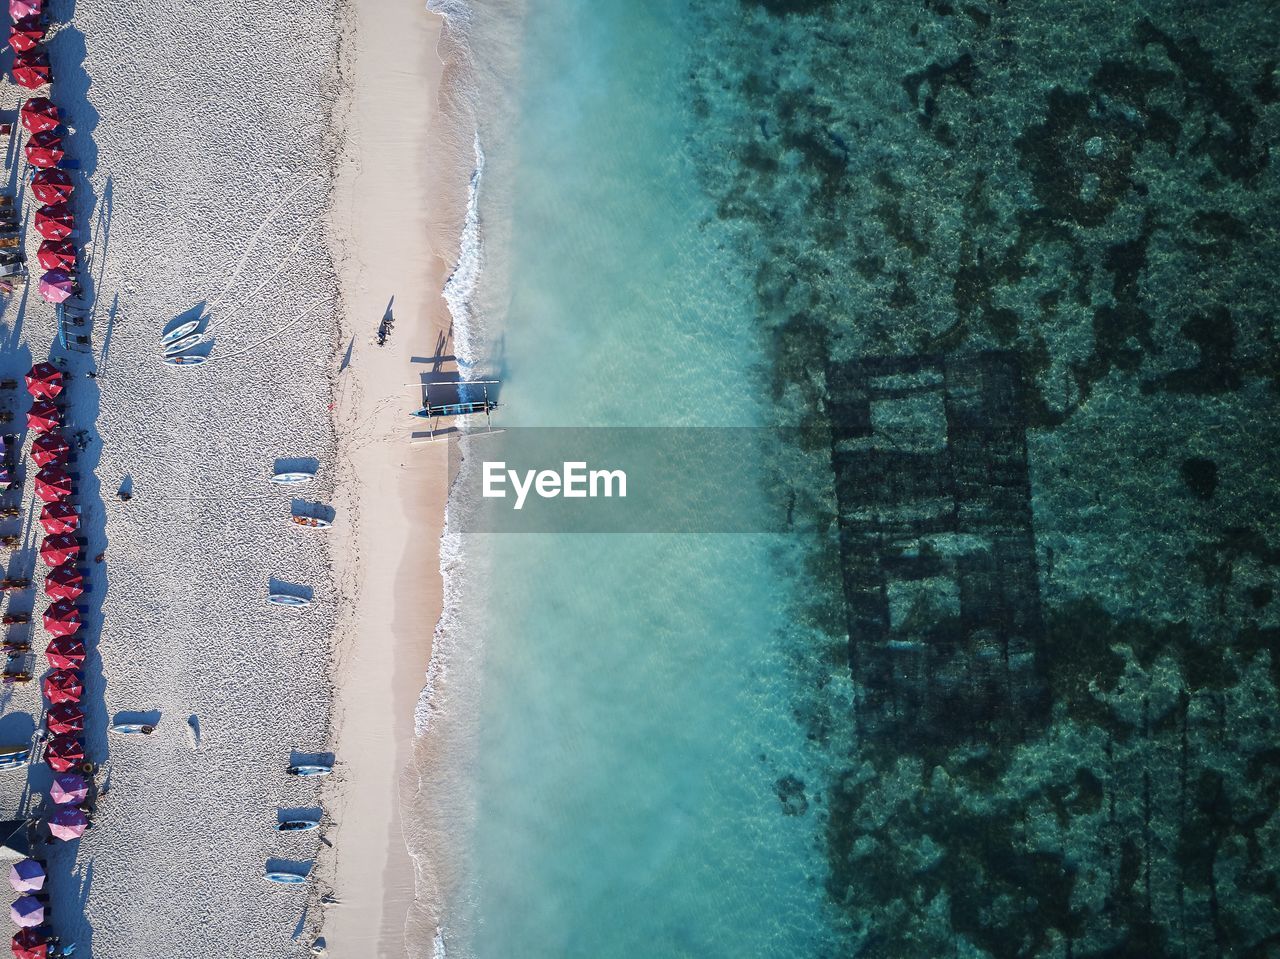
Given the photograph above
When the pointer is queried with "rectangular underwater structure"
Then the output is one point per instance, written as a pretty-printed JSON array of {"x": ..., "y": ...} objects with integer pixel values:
[{"x": 937, "y": 548}]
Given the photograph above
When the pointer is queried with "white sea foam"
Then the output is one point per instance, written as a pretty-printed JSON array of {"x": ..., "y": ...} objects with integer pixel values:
[{"x": 460, "y": 288}]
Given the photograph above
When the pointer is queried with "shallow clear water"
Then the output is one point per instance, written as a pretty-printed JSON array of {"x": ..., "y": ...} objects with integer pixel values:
[{"x": 634, "y": 713}]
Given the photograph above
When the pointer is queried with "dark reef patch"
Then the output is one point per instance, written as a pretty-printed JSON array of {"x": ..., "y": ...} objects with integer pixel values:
[{"x": 1201, "y": 476}]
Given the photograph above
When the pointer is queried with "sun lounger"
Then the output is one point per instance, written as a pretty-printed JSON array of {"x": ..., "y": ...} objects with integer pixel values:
[
  {"x": 8, "y": 242},
  {"x": 13, "y": 269}
]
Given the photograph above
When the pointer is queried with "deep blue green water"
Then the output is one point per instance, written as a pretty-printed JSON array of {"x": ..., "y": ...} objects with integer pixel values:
[{"x": 1009, "y": 688}]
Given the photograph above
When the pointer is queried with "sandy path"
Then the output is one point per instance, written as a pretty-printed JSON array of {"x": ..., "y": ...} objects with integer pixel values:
[{"x": 388, "y": 212}]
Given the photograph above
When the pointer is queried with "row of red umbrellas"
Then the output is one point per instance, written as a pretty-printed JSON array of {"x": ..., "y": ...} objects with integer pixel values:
[
  {"x": 52, "y": 187},
  {"x": 62, "y": 687}
]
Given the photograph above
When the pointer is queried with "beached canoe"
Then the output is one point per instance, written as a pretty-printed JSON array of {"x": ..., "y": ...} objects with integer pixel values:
[
  {"x": 288, "y": 599},
  {"x": 312, "y": 522},
  {"x": 184, "y": 360},
  {"x": 292, "y": 479},
  {"x": 14, "y": 757},
  {"x": 177, "y": 346},
  {"x": 178, "y": 332},
  {"x": 298, "y": 825},
  {"x": 285, "y": 878},
  {"x": 129, "y": 729},
  {"x": 309, "y": 770}
]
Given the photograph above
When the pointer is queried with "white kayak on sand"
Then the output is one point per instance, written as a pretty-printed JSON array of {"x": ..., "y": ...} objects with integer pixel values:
[
  {"x": 311, "y": 522},
  {"x": 292, "y": 479},
  {"x": 178, "y": 346},
  {"x": 14, "y": 757},
  {"x": 298, "y": 825},
  {"x": 178, "y": 332},
  {"x": 128, "y": 729},
  {"x": 285, "y": 878},
  {"x": 288, "y": 599},
  {"x": 184, "y": 360},
  {"x": 309, "y": 770}
]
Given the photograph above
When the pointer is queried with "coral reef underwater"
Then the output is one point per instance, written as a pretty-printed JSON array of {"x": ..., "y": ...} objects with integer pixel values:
[{"x": 1018, "y": 266}]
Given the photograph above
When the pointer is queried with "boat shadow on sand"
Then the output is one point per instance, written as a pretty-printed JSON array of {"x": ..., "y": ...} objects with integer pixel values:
[
  {"x": 297, "y": 464},
  {"x": 280, "y": 587}
]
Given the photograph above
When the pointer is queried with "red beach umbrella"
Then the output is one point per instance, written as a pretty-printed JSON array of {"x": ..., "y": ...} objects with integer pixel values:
[
  {"x": 61, "y": 619},
  {"x": 31, "y": 69},
  {"x": 68, "y": 789},
  {"x": 44, "y": 380},
  {"x": 29, "y": 944},
  {"x": 69, "y": 823},
  {"x": 57, "y": 254},
  {"x": 65, "y": 652},
  {"x": 44, "y": 416},
  {"x": 55, "y": 221},
  {"x": 48, "y": 448},
  {"x": 63, "y": 686},
  {"x": 65, "y": 718},
  {"x": 63, "y": 753},
  {"x": 39, "y": 114},
  {"x": 59, "y": 518},
  {"x": 25, "y": 8},
  {"x": 24, "y": 35},
  {"x": 51, "y": 185},
  {"x": 44, "y": 150},
  {"x": 52, "y": 484},
  {"x": 64, "y": 582},
  {"x": 58, "y": 550}
]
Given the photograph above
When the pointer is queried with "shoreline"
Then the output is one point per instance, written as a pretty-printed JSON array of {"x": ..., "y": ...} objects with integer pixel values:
[{"x": 391, "y": 222}]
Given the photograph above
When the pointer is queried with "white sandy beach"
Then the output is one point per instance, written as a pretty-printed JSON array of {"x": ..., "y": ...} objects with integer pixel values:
[
  {"x": 208, "y": 138},
  {"x": 392, "y": 173}
]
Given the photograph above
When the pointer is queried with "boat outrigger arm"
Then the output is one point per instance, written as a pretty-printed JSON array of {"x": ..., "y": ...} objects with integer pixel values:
[{"x": 435, "y": 411}]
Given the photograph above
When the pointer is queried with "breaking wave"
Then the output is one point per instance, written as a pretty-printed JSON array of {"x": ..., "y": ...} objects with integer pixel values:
[{"x": 460, "y": 288}]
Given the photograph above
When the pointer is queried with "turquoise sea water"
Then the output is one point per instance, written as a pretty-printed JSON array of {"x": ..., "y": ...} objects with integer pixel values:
[
  {"x": 1010, "y": 687},
  {"x": 634, "y": 714}
]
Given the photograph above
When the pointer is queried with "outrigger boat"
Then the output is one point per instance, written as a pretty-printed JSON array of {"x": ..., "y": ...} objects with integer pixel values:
[
  {"x": 288, "y": 599},
  {"x": 184, "y": 360},
  {"x": 459, "y": 406},
  {"x": 178, "y": 346},
  {"x": 14, "y": 757},
  {"x": 292, "y": 479},
  {"x": 311, "y": 522},
  {"x": 298, "y": 825},
  {"x": 178, "y": 332},
  {"x": 310, "y": 770},
  {"x": 285, "y": 878}
]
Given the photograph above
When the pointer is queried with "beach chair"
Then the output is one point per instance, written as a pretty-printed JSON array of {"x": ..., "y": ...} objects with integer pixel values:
[
  {"x": 15, "y": 269},
  {"x": 9, "y": 242}
]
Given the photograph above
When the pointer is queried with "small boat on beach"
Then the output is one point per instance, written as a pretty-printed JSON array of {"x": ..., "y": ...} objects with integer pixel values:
[
  {"x": 298, "y": 825},
  {"x": 296, "y": 478},
  {"x": 288, "y": 599},
  {"x": 310, "y": 770},
  {"x": 184, "y": 360},
  {"x": 178, "y": 346},
  {"x": 285, "y": 878},
  {"x": 312, "y": 522},
  {"x": 129, "y": 729},
  {"x": 178, "y": 332},
  {"x": 14, "y": 757}
]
